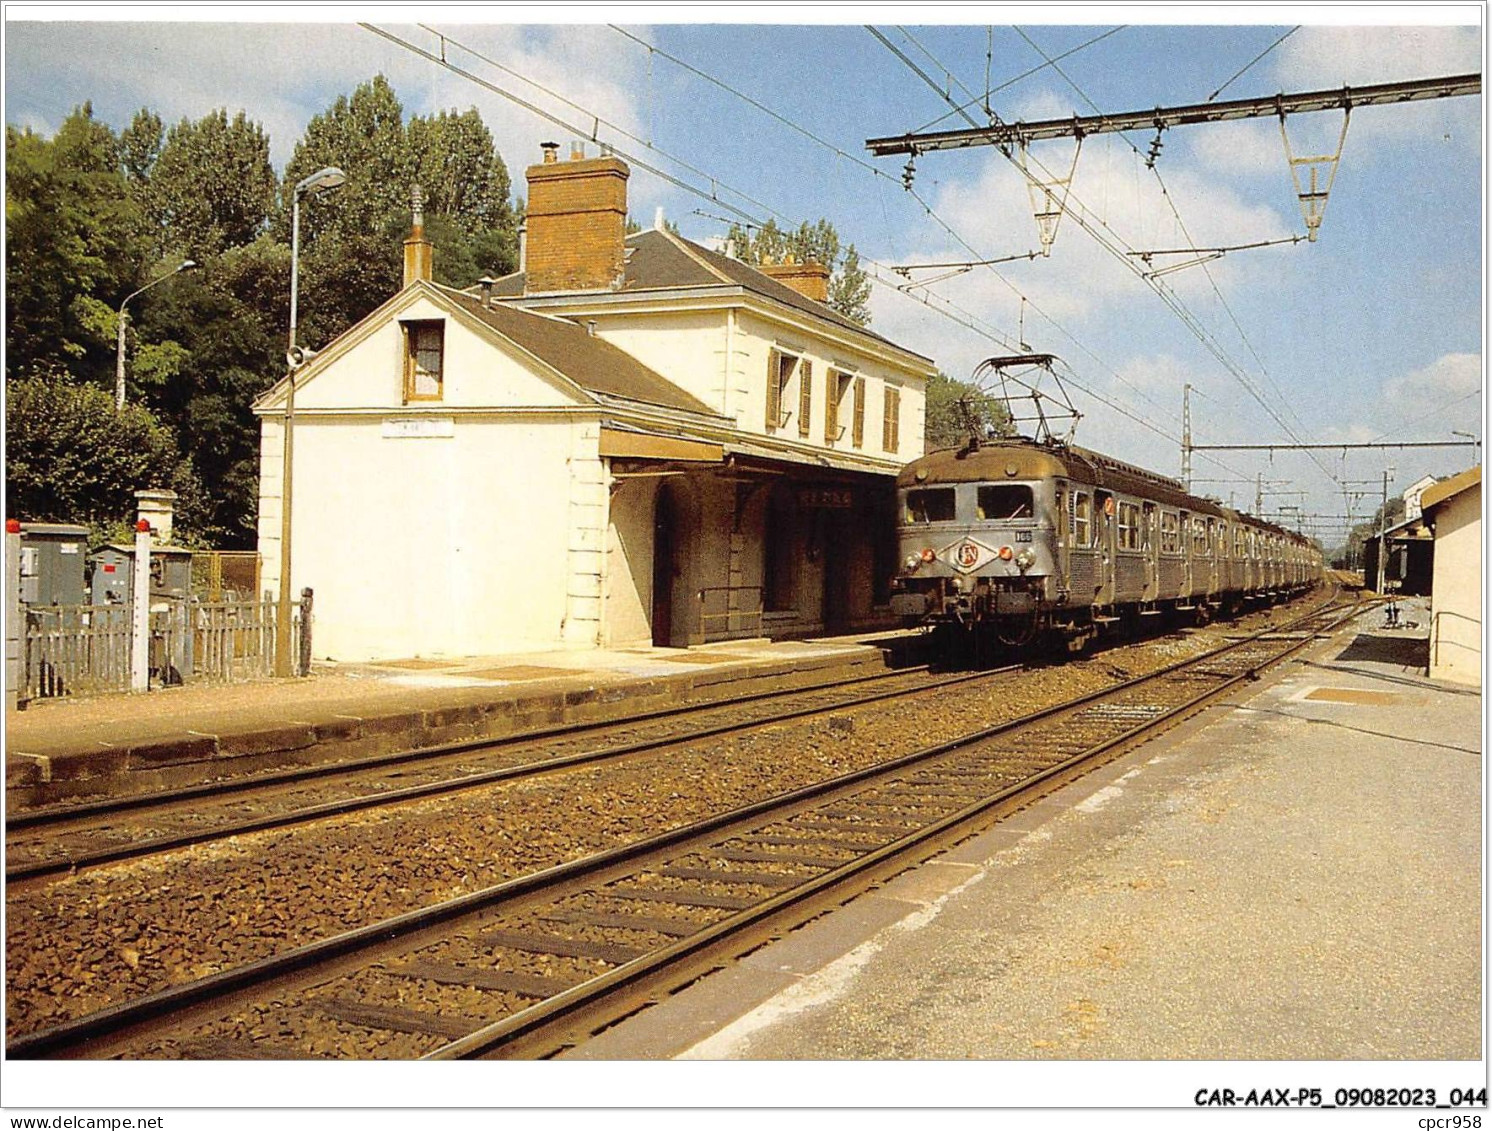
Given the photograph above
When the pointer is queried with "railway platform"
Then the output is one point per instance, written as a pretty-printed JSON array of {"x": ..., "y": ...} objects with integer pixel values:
[
  {"x": 60, "y": 750},
  {"x": 1295, "y": 874}
]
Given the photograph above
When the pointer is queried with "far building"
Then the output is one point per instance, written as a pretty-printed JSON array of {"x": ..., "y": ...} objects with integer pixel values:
[
  {"x": 633, "y": 440},
  {"x": 1453, "y": 509}
]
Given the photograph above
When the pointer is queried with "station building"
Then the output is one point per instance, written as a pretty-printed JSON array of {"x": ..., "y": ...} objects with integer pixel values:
[
  {"x": 633, "y": 440},
  {"x": 1453, "y": 509}
]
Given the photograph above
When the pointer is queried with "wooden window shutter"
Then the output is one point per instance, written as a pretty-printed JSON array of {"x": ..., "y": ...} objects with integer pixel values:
[
  {"x": 858, "y": 435},
  {"x": 831, "y": 406},
  {"x": 805, "y": 396},
  {"x": 774, "y": 390},
  {"x": 891, "y": 426}
]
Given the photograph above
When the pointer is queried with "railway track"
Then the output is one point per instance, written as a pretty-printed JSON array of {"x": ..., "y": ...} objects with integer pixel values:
[
  {"x": 64, "y": 839},
  {"x": 534, "y": 964}
]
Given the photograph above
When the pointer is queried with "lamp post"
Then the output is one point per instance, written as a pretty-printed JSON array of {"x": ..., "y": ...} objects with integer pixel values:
[
  {"x": 327, "y": 178},
  {"x": 186, "y": 265}
]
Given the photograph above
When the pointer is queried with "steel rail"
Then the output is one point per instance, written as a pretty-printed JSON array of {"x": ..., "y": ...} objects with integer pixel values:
[
  {"x": 527, "y": 1021},
  {"x": 1337, "y": 98},
  {"x": 342, "y": 806},
  {"x": 113, "y": 1021},
  {"x": 58, "y": 813}
]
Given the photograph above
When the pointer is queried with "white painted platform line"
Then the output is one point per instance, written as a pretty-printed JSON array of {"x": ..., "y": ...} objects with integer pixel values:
[{"x": 835, "y": 979}]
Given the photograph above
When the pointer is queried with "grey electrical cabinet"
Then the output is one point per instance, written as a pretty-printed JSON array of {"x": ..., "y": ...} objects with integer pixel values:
[
  {"x": 113, "y": 576},
  {"x": 114, "y": 567},
  {"x": 52, "y": 557}
]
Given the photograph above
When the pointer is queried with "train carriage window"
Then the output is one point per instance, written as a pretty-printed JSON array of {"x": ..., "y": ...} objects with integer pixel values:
[
  {"x": 1147, "y": 531},
  {"x": 1199, "y": 536},
  {"x": 1082, "y": 525},
  {"x": 1129, "y": 526},
  {"x": 1003, "y": 501},
  {"x": 930, "y": 504},
  {"x": 1170, "y": 533},
  {"x": 1240, "y": 545}
]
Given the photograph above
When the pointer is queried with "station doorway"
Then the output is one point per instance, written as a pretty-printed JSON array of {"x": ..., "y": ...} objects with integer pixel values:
[{"x": 665, "y": 563}]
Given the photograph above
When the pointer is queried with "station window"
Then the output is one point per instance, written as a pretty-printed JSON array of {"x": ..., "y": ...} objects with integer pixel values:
[
  {"x": 1082, "y": 518},
  {"x": 891, "y": 420},
  {"x": 781, "y": 368},
  {"x": 805, "y": 396},
  {"x": 1002, "y": 501},
  {"x": 838, "y": 385},
  {"x": 1170, "y": 533},
  {"x": 930, "y": 504},
  {"x": 424, "y": 360},
  {"x": 1129, "y": 526}
]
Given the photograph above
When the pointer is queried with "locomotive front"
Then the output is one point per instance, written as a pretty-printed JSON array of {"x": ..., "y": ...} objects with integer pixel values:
[{"x": 977, "y": 540}]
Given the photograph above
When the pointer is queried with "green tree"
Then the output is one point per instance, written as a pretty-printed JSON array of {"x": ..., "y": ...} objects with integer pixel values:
[
  {"x": 212, "y": 187},
  {"x": 955, "y": 409},
  {"x": 351, "y": 238},
  {"x": 70, "y": 457},
  {"x": 849, "y": 285},
  {"x": 75, "y": 245},
  {"x": 139, "y": 147},
  {"x": 212, "y": 342}
]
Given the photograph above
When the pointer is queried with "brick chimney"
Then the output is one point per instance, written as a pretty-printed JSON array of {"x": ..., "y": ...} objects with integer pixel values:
[
  {"x": 811, "y": 280},
  {"x": 418, "y": 251},
  {"x": 577, "y": 221}
]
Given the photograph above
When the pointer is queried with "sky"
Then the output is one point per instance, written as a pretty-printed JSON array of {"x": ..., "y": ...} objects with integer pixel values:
[{"x": 1373, "y": 331}]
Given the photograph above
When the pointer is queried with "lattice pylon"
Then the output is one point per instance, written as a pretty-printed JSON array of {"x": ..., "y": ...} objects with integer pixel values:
[
  {"x": 1048, "y": 197},
  {"x": 1314, "y": 195}
]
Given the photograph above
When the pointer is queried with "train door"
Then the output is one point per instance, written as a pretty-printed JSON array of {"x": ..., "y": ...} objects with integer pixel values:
[
  {"x": 1062, "y": 532},
  {"x": 1103, "y": 519},
  {"x": 1212, "y": 563},
  {"x": 1150, "y": 544},
  {"x": 1185, "y": 539}
]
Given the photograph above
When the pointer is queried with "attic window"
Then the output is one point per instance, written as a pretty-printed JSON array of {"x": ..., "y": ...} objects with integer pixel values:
[{"x": 424, "y": 360}]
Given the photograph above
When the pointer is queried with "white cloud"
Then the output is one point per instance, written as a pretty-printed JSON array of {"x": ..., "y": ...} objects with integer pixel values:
[
  {"x": 285, "y": 73},
  {"x": 1446, "y": 382},
  {"x": 1317, "y": 58},
  {"x": 1322, "y": 58}
]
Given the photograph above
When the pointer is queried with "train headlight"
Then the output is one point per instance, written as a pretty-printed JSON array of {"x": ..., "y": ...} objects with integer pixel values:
[
  {"x": 1025, "y": 560},
  {"x": 1006, "y": 553},
  {"x": 912, "y": 562}
]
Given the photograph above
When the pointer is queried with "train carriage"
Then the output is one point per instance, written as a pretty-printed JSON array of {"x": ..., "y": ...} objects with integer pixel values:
[{"x": 1014, "y": 539}]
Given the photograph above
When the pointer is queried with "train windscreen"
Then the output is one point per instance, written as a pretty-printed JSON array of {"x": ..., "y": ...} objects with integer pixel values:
[
  {"x": 930, "y": 504},
  {"x": 1003, "y": 501}
]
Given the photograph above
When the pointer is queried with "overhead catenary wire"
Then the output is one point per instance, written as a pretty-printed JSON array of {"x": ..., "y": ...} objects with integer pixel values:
[
  {"x": 1241, "y": 71},
  {"x": 1212, "y": 282},
  {"x": 927, "y": 208},
  {"x": 1162, "y": 291},
  {"x": 969, "y": 321}
]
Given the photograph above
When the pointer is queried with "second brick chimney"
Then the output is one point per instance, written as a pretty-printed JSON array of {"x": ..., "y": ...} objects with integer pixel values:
[
  {"x": 419, "y": 253},
  {"x": 810, "y": 279},
  {"x": 577, "y": 221}
]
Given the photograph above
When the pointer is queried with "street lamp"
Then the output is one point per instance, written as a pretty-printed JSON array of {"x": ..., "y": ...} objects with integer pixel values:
[
  {"x": 328, "y": 178},
  {"x": 186, "y": 265}
]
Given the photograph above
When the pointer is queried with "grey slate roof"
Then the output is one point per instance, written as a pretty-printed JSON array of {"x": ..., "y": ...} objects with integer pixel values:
[
  {"x": 662, "y": 261},
  {"x": 591, "y": 362}
]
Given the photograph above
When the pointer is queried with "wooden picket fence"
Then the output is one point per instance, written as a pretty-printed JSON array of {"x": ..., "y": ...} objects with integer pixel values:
[{"x": 79, "y": 650}]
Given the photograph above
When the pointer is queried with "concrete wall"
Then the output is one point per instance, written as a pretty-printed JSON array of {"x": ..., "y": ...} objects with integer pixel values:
[
  {"x": 455, "y": 545},
  {"x": 473, "y": 524},
  {"x": 1456, "y": 596}
]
